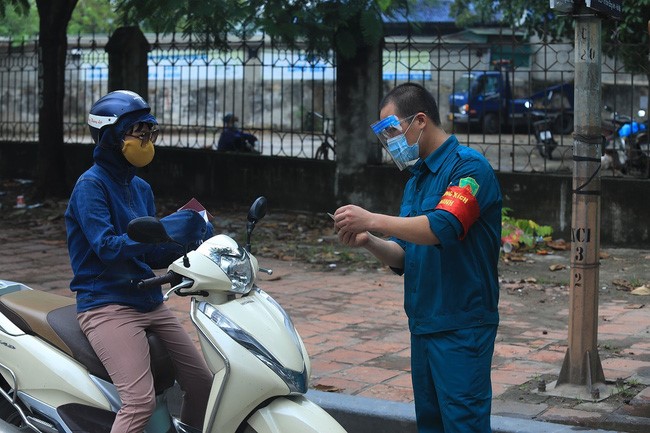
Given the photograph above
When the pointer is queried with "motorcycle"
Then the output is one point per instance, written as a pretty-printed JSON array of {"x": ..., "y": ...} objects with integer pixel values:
[
  {"x": 626, "y": 145},
  {"x": 52, "y": 381},
  {"x": 544, "y": 137}
]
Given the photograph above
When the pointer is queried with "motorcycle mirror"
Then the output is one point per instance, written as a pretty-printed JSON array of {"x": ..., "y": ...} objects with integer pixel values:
[
  {"x": 257, "y": 210},
  {"x": 147, "y": 230},
  {"x": 255, "y": 213}
]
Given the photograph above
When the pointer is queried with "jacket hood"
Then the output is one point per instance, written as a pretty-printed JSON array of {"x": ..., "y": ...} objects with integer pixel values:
[
  {"x": 108, "y": 152},
  {"x": 112, "y": 160}
]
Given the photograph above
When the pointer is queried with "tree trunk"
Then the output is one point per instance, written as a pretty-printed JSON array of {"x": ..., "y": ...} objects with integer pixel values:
[
  {"x": 358, "y": 94},
  {"x": 50, "y": 165}
]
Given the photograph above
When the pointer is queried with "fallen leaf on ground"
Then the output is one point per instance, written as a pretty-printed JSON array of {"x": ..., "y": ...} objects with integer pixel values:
[
  {"x": 559, "y": 244},
  {"x": 54, "y": 242},
  {"x": 516, "y": 258},
  {"x": 634, "y": 306},
  {"x": 604, "y": 255},
  {"x": 557, "y": 267},
  {"x": 642, "y": 291},
  {"x": 512, "y": 286},
  {"x": 327, "y": 388},
  {"x": 623, "y": 285}
]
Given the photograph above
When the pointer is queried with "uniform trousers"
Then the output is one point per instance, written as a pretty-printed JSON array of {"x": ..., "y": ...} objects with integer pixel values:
[{"x": 451, "y": 380}]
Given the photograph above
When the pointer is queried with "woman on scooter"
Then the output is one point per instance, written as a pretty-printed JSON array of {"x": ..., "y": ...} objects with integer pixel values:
[{"x": 112, "y": 311}]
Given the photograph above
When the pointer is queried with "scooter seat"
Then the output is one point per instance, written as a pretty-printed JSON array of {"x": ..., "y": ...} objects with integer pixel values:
[{"x": 54, "y": 319}]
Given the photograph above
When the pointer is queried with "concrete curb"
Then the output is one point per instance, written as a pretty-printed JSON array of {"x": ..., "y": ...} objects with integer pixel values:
[{"x": 369, "y": 415}]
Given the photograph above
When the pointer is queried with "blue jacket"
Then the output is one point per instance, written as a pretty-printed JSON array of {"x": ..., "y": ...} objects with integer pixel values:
[
  {"x": 233, "y": 139},
  {"x": 106, "y": 263}
]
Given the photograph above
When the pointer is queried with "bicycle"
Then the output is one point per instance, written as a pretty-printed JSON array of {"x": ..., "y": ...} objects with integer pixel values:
[{"x": 326, "y": 146}]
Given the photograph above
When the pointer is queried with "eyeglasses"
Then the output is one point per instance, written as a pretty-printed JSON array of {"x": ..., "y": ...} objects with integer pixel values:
[{"x": 147, "y": 136}]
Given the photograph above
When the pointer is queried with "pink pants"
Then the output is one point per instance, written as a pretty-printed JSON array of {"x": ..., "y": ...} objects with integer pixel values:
[{"x": 117, "y": 334}]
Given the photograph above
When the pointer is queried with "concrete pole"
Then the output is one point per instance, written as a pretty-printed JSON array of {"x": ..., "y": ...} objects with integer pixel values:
[{"x": 582, "y": 364}]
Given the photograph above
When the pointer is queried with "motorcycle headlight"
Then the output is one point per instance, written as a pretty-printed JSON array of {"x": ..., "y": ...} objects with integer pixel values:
[
  {"x": 236, "y": 264},
  {"x": 297, "y": 381}
]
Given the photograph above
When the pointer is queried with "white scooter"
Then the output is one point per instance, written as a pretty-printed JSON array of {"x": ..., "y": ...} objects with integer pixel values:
[{"x": 52, "y": 381}]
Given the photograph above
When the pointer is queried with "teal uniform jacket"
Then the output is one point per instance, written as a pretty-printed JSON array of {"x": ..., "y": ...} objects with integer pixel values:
[{"x": 453, "y": 285}]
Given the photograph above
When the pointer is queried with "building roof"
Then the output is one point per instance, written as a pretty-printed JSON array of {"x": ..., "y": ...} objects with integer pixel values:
[
  {"x": 424, "y": 11},
  {"x": 425, "y": 17}
]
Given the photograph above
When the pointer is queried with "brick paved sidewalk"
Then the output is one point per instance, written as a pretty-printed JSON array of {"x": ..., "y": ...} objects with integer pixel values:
[{"x": 354, "y": 328}]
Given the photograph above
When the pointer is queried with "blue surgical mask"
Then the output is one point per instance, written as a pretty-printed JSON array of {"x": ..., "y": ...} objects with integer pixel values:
[{"x": 402, "y": 153}]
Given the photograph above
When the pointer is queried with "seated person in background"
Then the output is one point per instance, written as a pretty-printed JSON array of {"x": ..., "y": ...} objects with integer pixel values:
[{"x": 233, "y": 139}]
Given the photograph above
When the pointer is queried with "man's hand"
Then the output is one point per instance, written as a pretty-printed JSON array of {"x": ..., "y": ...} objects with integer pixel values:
[
  {"x": 353, "y": 219},
  {"x": 353, "y": 225},
  {"x": 352, "y": 239}
]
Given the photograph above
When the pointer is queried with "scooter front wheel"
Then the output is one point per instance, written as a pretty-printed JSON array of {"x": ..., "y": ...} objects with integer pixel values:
[{"x": 292, "y": 414}]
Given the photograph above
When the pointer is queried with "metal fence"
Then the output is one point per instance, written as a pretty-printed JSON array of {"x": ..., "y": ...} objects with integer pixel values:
[{"x": 287, "y": 98}]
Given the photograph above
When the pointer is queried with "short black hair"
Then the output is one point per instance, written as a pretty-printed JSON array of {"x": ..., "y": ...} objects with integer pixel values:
[{"x": 410, "y": 99}]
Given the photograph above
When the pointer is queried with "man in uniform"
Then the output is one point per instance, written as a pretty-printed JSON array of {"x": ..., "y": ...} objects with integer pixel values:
[{"x": 445, "y": 242}]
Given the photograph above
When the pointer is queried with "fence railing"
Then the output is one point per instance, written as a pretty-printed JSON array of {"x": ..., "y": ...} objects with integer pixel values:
[{"x": 275, "y": 91}]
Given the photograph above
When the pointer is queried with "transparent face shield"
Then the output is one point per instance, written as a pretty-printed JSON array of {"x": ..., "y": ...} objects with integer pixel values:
[{"x": 390, "y": 133}]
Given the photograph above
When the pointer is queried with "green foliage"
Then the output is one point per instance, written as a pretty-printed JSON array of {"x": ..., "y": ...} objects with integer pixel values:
[
  {"x": 92, "y": 16},
  {"x": 522, "y": 233},
  {"x": 320, "y": 26},
  {"x": 629, "y": 37},
  {"x": 20, "y": 7},
  {"x": 470, "y": 13},
  {"x": 532, "y": 16},
  {"x": 632, "y": 34},
  {"x": 20, "y": 18}
]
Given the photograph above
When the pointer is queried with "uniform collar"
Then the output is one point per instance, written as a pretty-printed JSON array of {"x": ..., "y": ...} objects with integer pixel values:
[{"x": 437, "y": 158}]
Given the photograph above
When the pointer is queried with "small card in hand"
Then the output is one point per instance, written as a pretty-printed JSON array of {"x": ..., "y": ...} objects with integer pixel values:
[{"x": 195, "y": 205}]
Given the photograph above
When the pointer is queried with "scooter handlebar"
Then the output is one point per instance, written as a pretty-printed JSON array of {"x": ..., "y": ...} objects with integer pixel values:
[{"x": 169, "y": 278}]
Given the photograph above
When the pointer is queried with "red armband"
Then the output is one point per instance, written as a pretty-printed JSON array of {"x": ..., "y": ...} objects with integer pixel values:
[{"x": 460, "y": 202}]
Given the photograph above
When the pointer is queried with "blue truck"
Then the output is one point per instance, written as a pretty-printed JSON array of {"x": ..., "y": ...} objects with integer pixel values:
[{"x": 485, "y": 99}]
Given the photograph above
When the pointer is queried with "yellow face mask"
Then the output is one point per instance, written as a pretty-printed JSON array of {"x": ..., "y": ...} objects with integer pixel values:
[{"x": 138, "y": 152}]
